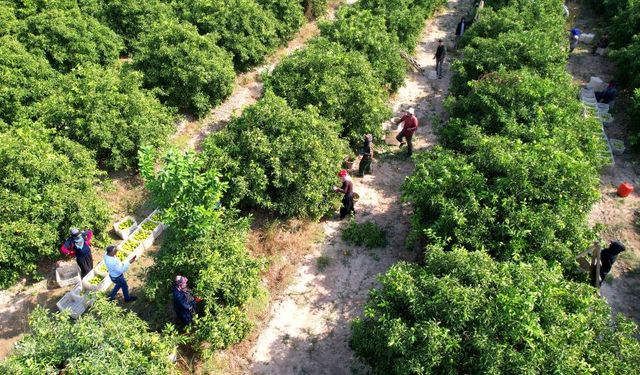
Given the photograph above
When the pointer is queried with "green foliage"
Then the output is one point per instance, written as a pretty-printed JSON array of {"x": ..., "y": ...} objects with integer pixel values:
[
  {"x": 404, "y": 18},
  {"x": 128, "y": 18},
  {"x": 464, "y": 313},
  {"x": 279, "y": 158},
  {"x": 26, "y": 79},
  {"x": 627, "y": 57},
  {"x": 243, "y": 27},
  {"x": 362, "y": 31},
  {"x": 289, "y": 14},
  {"x": 316, "y": 8},
  {"x": 190, "y": 69},
  {"x": 47, "y": 185},
  {"x": 204, "y": 243},
  {"x": 106, "y": 110},
  {"x": 339, "y": 83},
  {"x": 105, "y": 340},
  {"x": 8, "y": 20},
  {"x": 69, "y": 37},
  {"x": 634, "y": 113},
  {"x": 367, "y": 234}
]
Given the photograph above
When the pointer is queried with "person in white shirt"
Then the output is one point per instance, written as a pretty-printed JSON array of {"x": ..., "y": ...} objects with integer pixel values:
[{"x": 116, "y": 270}]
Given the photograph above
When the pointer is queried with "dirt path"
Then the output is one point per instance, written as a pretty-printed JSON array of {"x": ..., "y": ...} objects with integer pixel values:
[
  {"x": 618, "y": 214},
  {"x": 308, "y": 327}
]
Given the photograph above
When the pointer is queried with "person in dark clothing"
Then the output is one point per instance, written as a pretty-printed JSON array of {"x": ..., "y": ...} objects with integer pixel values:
[
  {"x": 602, "y": 43},
  {"x": 609, "y": 94},
  {"x": 441, "y": 53},
  {"x": 184, "y": 303},
  {"x": 409, "y": 128},
  {"x": 608, "y": 257},
  {"x": 79, "y": 244},
  {"x": 574, "y": 37},
  {"x": 347, "y": 189},
  {"x": 367, "y": 156},
  {"x": 460, "y": 29}
]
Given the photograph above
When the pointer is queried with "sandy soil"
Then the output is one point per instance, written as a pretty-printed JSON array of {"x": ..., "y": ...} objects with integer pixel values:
[
  {"x": 308, "y": 330},
  {"x": 618, "y": 214}
]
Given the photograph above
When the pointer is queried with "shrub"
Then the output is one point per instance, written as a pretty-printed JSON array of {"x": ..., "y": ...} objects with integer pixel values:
[
  {"x": 315, "y": 8},
  {"x": 360, "y": 30},
  {"x": 191, "y": 70},
  {"x": 244, "y": 28},
  {"x": 340, "y": 84},
  {"x": 106, "y": 339},
  {"x": 47, "y": 185},
  {"x": 203, "y": 242},
  {"x": 8, "y": 20},
  {"x": 106, "y": 110},
  {"x": 367, "y": 234},
  {"x": 68, "y": 38},
  {"x": 289, "y": 14},
  {"x": 627, "y": 57},
  {"x": 26, "y": 79},
  {"x": 464, "y": 313},
  {"x": 128, "y": 18},
  {"x": 279, "y": 158}
]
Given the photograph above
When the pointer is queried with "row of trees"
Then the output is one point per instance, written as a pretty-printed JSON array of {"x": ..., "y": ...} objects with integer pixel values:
[
  {"x": 503, "y": 206},
  {"x": 623, "y": 27},
  {"x": 97, "y": 80}
]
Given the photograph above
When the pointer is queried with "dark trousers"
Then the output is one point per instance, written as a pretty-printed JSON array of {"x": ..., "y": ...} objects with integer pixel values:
[
  {"x": 85, "y": 263},
  {"x": 121, "y": 283},
  {"x": 347, "y": 206},
  {"x": 439, "y": 63},
  {"x": 365, "y": 165},
  {"x": 408, "y": 137}
]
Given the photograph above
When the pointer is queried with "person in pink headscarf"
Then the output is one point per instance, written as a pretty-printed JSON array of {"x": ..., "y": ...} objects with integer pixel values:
[{"x": 183, "y": 301}]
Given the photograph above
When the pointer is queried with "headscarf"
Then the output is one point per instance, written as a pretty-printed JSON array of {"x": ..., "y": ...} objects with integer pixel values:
[
  {"x": 181, "y": 283},
  {"x": 79, "y": 242}
]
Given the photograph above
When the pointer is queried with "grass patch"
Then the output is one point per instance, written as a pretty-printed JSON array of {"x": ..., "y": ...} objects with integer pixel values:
[
  {"x": 323, "y": 262},
  {"x": 367, "y": 234}
]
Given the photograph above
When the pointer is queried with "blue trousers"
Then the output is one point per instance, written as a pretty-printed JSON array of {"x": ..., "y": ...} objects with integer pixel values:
[{"x": 121, "y": 283}]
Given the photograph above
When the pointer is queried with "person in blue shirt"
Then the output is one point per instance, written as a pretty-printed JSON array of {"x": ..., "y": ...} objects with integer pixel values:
[
  {"x": 183, "y": 301},
  {"x": 116, "y": 270}
]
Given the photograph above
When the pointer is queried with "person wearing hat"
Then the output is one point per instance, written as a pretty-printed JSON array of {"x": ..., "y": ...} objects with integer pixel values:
[
  {"x": 608, "y": 257},
  {"x": 410, "y": 126},
  {"x": 79, "y": 244},
  {"x": 184, "y": 302},
  {"x": 347, "y": 190},
  {"x": 367, "y": 156},
  {"x": 116, "y": 270}
]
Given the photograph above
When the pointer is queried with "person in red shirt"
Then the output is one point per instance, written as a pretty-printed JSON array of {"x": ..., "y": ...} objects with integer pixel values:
[
  {"x": 410, "y": 127},
  {"x": 79, "y": 244},
  {"x": 347, "y": 189}
]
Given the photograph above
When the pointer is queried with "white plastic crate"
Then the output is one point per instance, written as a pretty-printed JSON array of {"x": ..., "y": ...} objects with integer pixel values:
[
  {"x": 157, "y": 231},
  {"x": 595, "y": 83},
  {"x": 74, "y": 302},
  {"x": 602, "y": 108},
  {"x": 147, "y": 242},
  {"x": 125, "y": 232},
  {"x": 67, "y": 274},
  {"x": 101, "y": 287},
  {"x": 586, "y": 38},
  {"x": 617, "y": 146},
  {"x": 139, "y": 249},
  {"x": 163, "y": 226}
]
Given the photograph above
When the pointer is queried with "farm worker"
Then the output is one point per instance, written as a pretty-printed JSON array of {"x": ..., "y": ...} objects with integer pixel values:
[
  {"x": 410, "y": 126},
  {"x": 460, "y": 29},
  {"x": 608, "y": 257},
  {"x": 441, "y": 53},
  {"x": 602, "y": 43},
  {"x": 79, "y": 244},
  {"x": 609, "y": 94},
  {"x": 347, "y": 190},
  {"x": 183, "y": 301},
  {"x": 565, "y": 10},
  {"x": 574, "y": 36},
  {"x": 367, "y": 156},
  {"x": 116, "y": 270}
]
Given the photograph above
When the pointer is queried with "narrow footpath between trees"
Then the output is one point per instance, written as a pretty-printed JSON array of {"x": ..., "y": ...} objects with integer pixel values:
[
  {"x": 620, "y": 215},
  {"x": 309, "y": 325}
]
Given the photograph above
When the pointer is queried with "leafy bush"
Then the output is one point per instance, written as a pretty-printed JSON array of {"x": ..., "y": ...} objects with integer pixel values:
[
  {"x": 464, "y": 313},
  {"x": 316, "y": 8},
  {"x": 104, "y": 340},
  {"x": 360, "y": 30},
  {"x": 340, "y": 84},
  {"x": 47, "y": 185},
  {"x": 367, "y": 234},
  {"x": 191, "y": 70},
  {"x": 107, "y": 111},
  {"x": 289, "y": 14},
  {"x": 69, "y": 37},
  {"x": 279, "y": 158},
  {"x": 204, "y": 243},
  {"x": 627, "y": 57},
  {"x": 8, "y": 20},
  {"x": 26, "y": 79},
  {"x": 128, "y": 18},
  {"x": 244, "y": 28}
]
